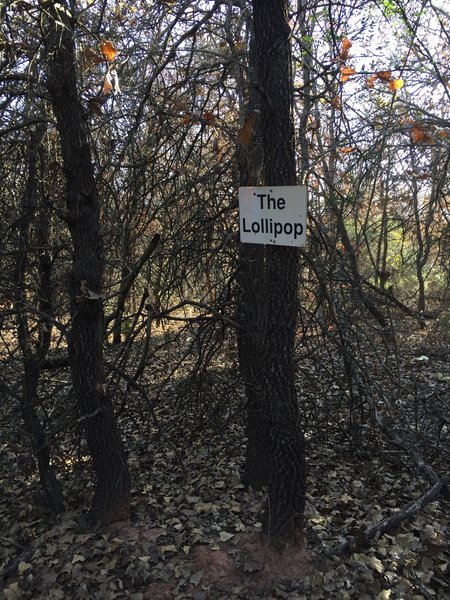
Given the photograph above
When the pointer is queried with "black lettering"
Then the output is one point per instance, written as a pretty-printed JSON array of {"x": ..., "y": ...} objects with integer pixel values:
[
  {"x": 298, "y": 230},
  {"x": 271, "y": 202},
  {"x": 261, "y": 199}
]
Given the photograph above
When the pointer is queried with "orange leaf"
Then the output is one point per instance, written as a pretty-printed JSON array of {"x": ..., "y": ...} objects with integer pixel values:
[
  {"x": 384, "y": 75},
  {"x": 347, "y": 150},
  {"x": 371, "y": 81},
  {"x": 345, "y": 49},
  {"x": 244, "y": 136},
  {"x": 90, "y": 58},
  {"x": 418, "y": 135},
  {"x": 107, "y": 85},
  {"x": 346, "y": 72},
  {"x": 396, "y": 84},
  {"x": 108, "y": 50}
]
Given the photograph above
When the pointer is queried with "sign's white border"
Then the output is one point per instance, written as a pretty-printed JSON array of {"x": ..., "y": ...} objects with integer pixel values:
[{"x": 273, "y": 215}]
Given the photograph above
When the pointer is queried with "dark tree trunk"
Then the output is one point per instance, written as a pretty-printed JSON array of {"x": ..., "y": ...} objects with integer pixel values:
[
  {"x": 45, "y": 293},
  {"x": 251, "y": 313},
  {"x": 31, "y": 360},
  {"x": 286, "y": 495},
  {"x": 50, "y": 485},
  {"x": 112, "y": 494},
  {"x": 121, "y": 299},
  {"x": 251, "y": 303}
]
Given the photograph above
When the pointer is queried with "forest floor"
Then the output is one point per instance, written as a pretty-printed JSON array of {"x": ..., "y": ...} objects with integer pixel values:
[{"x": 195, "y": 532}]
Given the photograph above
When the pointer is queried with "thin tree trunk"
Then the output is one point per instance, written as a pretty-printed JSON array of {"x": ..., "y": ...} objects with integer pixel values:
[
  {"x": 286, "y": 494},
  {"x": 32, "y": 361},
  {"x": 45, "y": 294},
  {"x": 121, "y": 299},
  {"x": 112, "y": 494},
  {"x": 128, "y": 278}
]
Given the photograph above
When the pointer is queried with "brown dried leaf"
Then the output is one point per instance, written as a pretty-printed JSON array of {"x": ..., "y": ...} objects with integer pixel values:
[
  {"x": 209, "y": 117},
  {"x": 384, "y": 75},
  {"x": 371, "y": 81},
  {"x": 419, "y": 135},
  {"x": 95, "y": 106},
  {"x": 107, "y": 85},
  {"x": 89, "y": 58},
  {"x": 346, "y": 72},
  {"x": 345, "y": 49},
  {"x": 336, "y": 102},
  {"x": 244, "y": 136}
]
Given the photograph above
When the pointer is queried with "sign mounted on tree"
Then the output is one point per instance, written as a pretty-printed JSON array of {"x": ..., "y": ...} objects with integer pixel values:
[{"x": 273, "y": 215}]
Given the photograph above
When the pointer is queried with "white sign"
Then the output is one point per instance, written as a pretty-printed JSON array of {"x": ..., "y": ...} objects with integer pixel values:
[{"x": 273, "y": 215}]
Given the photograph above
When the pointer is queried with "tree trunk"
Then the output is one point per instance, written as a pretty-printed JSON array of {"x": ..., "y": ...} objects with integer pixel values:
[
  {"x": 111, "y": 501},
  {"x": 251, "y": 313},
  {"x": 121, "y": 299},
  {"x": 251, "y": 305},
  {"x": 31, "y": 360},
  {"x": 286, "y": 495},
  {"x": 45, "y": 293}
]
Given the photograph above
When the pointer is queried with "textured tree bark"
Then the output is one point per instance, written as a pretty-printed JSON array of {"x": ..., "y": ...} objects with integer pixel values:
[
  {"x": 251, "y": 313},
  {"x": 283, "y": 519},
  {"x": 111, "y": 500},
  {"x": 251, "y": 300}
]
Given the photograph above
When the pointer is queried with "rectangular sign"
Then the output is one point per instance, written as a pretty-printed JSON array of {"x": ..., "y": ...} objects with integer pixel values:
[{"x": 273, "y": 215}]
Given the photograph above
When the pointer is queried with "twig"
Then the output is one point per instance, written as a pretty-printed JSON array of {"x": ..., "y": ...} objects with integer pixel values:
[
  {"x": 390, "y": 523},
  {"x": 202, "y": 305},
  {"x": 424, "y": 468}
]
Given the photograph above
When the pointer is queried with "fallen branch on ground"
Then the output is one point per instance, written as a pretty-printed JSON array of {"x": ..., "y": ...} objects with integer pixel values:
[{"x": 391, "y": 523}]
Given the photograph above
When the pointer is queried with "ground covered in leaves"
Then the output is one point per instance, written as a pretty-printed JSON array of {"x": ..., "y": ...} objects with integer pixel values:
[{"x": 195, "y": 532}]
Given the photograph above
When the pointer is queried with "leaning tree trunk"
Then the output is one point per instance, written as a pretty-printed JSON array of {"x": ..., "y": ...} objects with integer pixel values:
[
  {"x": 286, "y": 494},
  {"x": 112, "y": 494}
]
